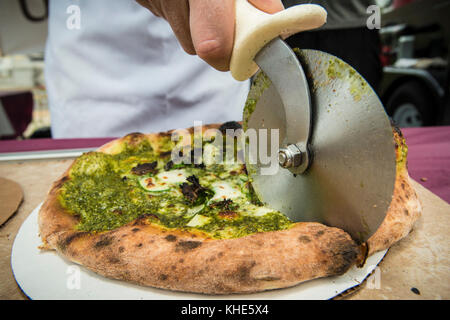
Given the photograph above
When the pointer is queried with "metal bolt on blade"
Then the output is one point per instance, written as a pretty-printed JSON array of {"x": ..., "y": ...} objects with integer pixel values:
[{"x": 290, "y": 156}]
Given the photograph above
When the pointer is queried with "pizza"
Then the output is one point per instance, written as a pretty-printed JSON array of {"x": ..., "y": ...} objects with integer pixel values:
[{"x": 128, "y": 211}]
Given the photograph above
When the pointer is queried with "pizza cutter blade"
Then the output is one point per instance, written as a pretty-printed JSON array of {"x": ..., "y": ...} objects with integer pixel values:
[{"x": 328, "y": 138}]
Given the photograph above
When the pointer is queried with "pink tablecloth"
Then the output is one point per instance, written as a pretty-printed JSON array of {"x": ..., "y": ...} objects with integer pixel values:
[{"x": 428, "y": 159}]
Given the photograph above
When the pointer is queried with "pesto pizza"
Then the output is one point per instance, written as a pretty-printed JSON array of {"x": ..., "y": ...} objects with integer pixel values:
[{"x": 128, "y": 211}]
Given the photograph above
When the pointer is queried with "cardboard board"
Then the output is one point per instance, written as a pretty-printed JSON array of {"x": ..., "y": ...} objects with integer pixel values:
[{"x": 11, "y": 196}]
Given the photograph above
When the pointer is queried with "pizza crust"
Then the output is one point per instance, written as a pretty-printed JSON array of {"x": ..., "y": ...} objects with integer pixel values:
[
  {"x": 150, "y": 255},
  {"x": 403, "y": 212}
]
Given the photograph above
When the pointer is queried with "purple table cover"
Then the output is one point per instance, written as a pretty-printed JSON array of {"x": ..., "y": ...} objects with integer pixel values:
[{"x": 428, "y": 158}]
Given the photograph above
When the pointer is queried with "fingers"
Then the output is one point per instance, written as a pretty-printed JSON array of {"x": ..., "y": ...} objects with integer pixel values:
[
  {"x": 205, "y": 27},
  {"x": 212, "y": 31},
  {"x": 179, "y": 22},
  {"x": 175, "y": 12},
  {"x": 269, "y": 6}
]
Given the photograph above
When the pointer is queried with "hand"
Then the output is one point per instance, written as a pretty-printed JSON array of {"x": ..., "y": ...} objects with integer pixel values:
[{"x": 205, "y": 27}]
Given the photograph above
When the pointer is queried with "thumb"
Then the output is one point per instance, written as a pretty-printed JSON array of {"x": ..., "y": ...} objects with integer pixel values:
[
  {"x": 212, "y": 28},
  {"x": 269, "y": 6}
]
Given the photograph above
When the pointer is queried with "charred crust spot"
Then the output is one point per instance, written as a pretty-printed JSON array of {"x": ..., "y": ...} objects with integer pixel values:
[
  {"x": 319, "y": 233},
  {"x": 396, "y": 129},
  {"x": 165, "y": 134},
  {"x": 64, "y": 243},
  {"x": 134, "y": 135},
  {"x": 243, "y": 272},
  {"x": 135, "y": 229},
  {"x": 171, "y": 238},
  {"x": 348, "y": 257},
  {"x": 186, "y": 246},
  {"x": 181, "y": 260},
  {"x": 222, "y": 287},
  {"x": 103, "y": 242},
  {"x": 343, "y": 254},
  {"x": 364, "y": 249},
  {"x": 113, "y": 260},
  {"x": 163, "y": 277},
  {"x": 144, "y": 168},
  {"x": 403, "y": 185},
  {"x": 61, "y": 181},
  {"x": 220, "y": 254},
  {"x": 173, "y": 267},
  {"x": 406, "y": 212},
  {"x": 139, "y": 245},
  {"x": 229, "y": 125},
  {"x": 133, "y": 139},
  {"x": 269, "y": 278},
  {"x": 121, "y": 249},
  {"x": 304, "y": 239}
]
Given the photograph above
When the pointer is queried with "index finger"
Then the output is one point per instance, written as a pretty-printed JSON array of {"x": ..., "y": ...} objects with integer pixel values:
[{"x": 212, "y": 31}]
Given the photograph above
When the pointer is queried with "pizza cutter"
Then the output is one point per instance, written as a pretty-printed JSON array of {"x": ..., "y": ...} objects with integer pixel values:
[{"x": 323, "y": 127}]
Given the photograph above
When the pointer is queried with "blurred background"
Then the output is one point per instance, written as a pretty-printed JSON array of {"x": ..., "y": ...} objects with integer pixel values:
[{"x": 413, "y": 53}]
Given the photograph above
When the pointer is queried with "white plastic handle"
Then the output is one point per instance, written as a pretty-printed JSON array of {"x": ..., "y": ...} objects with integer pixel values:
[{"x": 255, "y": 28}]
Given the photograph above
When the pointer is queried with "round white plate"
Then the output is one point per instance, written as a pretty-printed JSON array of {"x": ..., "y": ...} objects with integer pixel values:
[{"x": 47, "y": 275}]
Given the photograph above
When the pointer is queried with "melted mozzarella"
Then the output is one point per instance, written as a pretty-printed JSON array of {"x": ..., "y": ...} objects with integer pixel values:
[
  {"x": 224, "y": 190},
  {"x": 260, "y": 211},
  {"x": 172, "y": 177},
  {"x": 198, "y": 220}
]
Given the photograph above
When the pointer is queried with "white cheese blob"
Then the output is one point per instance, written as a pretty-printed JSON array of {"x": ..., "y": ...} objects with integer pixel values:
[
  {"x": 198, "y": 220},
  {"x": 260, "y": 211},
  {"x": 224, "y": 190},
  {"x": 172, "y": 177}
]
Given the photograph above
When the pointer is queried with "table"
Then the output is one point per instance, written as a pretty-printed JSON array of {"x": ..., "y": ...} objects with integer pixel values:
[{"x": 422, "y": 260}]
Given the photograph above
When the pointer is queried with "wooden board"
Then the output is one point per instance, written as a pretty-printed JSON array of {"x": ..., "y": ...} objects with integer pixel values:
[{"x": 422, "y": 260}]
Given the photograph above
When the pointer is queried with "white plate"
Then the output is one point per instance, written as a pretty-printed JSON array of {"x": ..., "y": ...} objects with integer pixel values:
[{"x": 47, "y": 275}]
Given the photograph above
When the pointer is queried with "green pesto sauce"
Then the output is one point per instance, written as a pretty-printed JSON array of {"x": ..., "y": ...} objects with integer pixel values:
[
  {"x": 104, "y": 193},
  {"x": 338, "y": 69},
  {"x": 259, "y": 84}
]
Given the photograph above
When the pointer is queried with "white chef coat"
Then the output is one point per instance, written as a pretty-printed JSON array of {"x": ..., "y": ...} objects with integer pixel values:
[{"x": 124, "y": 71}]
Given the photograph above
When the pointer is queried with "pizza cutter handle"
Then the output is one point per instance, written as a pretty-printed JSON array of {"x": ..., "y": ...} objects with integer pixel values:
[{"x": 255, "y": 28}]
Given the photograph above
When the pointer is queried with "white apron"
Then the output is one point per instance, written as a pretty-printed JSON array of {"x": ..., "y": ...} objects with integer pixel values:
[{"x": 123, "y": 71}]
